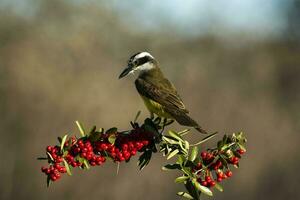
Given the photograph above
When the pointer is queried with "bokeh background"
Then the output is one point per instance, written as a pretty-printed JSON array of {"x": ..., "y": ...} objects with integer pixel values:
[{"x": 235, "y": 63}]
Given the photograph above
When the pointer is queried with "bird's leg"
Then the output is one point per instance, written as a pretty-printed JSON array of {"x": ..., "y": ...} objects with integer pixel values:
[
  {"x": 151, "y": 115},
  {"x": 163, "y": 125},
  {"x": 169, "y": 121}
]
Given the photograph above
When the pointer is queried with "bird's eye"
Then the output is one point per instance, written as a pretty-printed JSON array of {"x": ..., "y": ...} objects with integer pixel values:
[{"x": 135, "y": 63}]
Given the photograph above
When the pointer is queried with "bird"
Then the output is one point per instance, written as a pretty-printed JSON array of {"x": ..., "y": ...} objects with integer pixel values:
[{"x": 158, "y": 93}]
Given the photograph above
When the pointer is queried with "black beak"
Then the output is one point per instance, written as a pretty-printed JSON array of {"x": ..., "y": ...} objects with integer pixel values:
[{"x": 126, "y": 71}]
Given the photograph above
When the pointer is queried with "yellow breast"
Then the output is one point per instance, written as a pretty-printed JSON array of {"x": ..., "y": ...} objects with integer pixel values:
[{"x": 156, "y": 108}]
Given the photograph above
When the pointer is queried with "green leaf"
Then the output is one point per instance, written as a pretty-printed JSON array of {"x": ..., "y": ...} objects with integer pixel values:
[
  {"x": 202, "y": 188},
  {"x": 81, "y": 129},
  {"x": 220, "y": 144},
  {"x": 95, "y": 136},
  {"x": 67, "y": 167},
  {"x": 187, "y": 171},
  {"x": 171, "y": 167},
  {"x": 180, "y": 159},
  {"x": 185, "y": 195},
  {"x": 63, "y": 142},
  {"x": 144, "y": 159},
  {"x": 150, "y": 126},
  {"x": 192, "y": 190},
  {"x": 172, "y": 154},
  {"x": 236, "y": 154},
  {"x": 242, "y": 147},
  {"x": 205, "y": 139},
  {"x": 86, "y": 164},
  {"x": 187, "y": 145},
  {"x": 42, "y": 158},
  {"x": 48, "y": 181},
  {"x": 50, "y": 156},
  {"x": 239, "y": 136},
  {"x": 170, "y": 140},
  {"x": 184, "y": 132},
  {"x": 175, "y": 135},
  {"x": 112, "y": 130},
  {"x": 193, "y": 154},
  {"x": 181, "y": 179},
  {"x": 223, "y": 160},
  {"x": 80, "y": 159},
  {"x": 182, "y": 147},
  {"x": 93, "y": 130},
  {"x": 137, "y": 116},
  {"x": 112, "y": 139},
  {"x": 225, "y": 146},
  {"x": 219, "y": 187}
]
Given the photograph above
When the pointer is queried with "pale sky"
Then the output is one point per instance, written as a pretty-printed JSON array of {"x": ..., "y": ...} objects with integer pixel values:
[{"x": 191, "y": 17}]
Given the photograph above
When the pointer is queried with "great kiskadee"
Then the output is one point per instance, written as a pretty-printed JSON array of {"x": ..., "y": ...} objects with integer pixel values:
[{"x": 158, "y": 93}]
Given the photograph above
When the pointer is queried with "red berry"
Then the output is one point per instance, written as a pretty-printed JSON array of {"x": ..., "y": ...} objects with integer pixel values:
[
  {"x": 133, "y": 152},
  {"x": 120, "y": 154},
  {"x": 209, "y": 156},
  {"x": 241, "y": 151},
  {"x": 220, "y": 174},
  {"x": 59, "y": 159},
  {"x": 204, "y": 183},
  {"x": 48, "y": 171},
  {"x": 44, "y": 169},
  {"x": 145, "y": 142},
  {"x": 228, "y": 173},
  {"x": 49, "y": 148},
  {"x": 203, "y": 155},
  {"x": 104, "y": 146},
  {"x": 51, "y": 168},
  {"x": 53, "y": 177},
  {"x": 125, "y": 147},
  {"x": 208, "y": 178},
  {"x": 74, "y": 164},
  {"x": 212, "y": 183},
  {"x": 121, "y": 159},
  {"x": 126, "y": 155},
  {"x": 87, "y": 144},
  {"x": 131, "y": 145},
  {"x": 90, "y": 148},
  {"x": 99, "y": 162},
  {"x": 93, "y": 163},
  {"x": 62, "y": 169},
  {"x": 89, "y": 156},
  {"x": 199, "y": 165},
  {"x": 113, "y": 155},
  {"x": 219, "y": 179}
]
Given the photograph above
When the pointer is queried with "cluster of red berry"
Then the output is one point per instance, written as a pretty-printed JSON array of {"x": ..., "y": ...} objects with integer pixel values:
[
  {"x": 125, "y": 145},
  {"x": 79, "y": 152},
  {"x": 54, "y": 170},
  {"x": 209, "y": 164}
]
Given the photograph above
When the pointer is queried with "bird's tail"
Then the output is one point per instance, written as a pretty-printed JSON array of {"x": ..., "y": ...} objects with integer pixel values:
[{"x": 185, "y": 120}]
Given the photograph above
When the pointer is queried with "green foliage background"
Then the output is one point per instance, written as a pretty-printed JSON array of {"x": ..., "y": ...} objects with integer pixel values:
[{"x": 62, "y": 64}]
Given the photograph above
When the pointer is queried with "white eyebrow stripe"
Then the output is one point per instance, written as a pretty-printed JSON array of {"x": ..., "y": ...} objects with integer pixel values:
[{"x": 143, "y": 54}]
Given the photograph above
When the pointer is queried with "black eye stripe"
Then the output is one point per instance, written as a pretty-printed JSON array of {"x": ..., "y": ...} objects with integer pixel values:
[
  {"x": 132, "y": 57},
  {"x": 142, "y": 60}
]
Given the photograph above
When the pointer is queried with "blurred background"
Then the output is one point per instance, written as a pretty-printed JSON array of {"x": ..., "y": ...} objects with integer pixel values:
[{"x": 235, "y": 63}]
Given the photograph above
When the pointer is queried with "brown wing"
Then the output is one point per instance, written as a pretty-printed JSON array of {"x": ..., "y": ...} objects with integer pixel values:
[{"x": 164, "y": 93}]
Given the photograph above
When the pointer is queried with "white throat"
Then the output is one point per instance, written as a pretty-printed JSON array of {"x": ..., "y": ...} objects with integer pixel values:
[{"x": 143, "y": 68}]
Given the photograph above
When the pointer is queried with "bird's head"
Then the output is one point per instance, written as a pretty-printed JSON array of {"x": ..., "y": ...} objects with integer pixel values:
[{"x": 139, "y": 62}]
